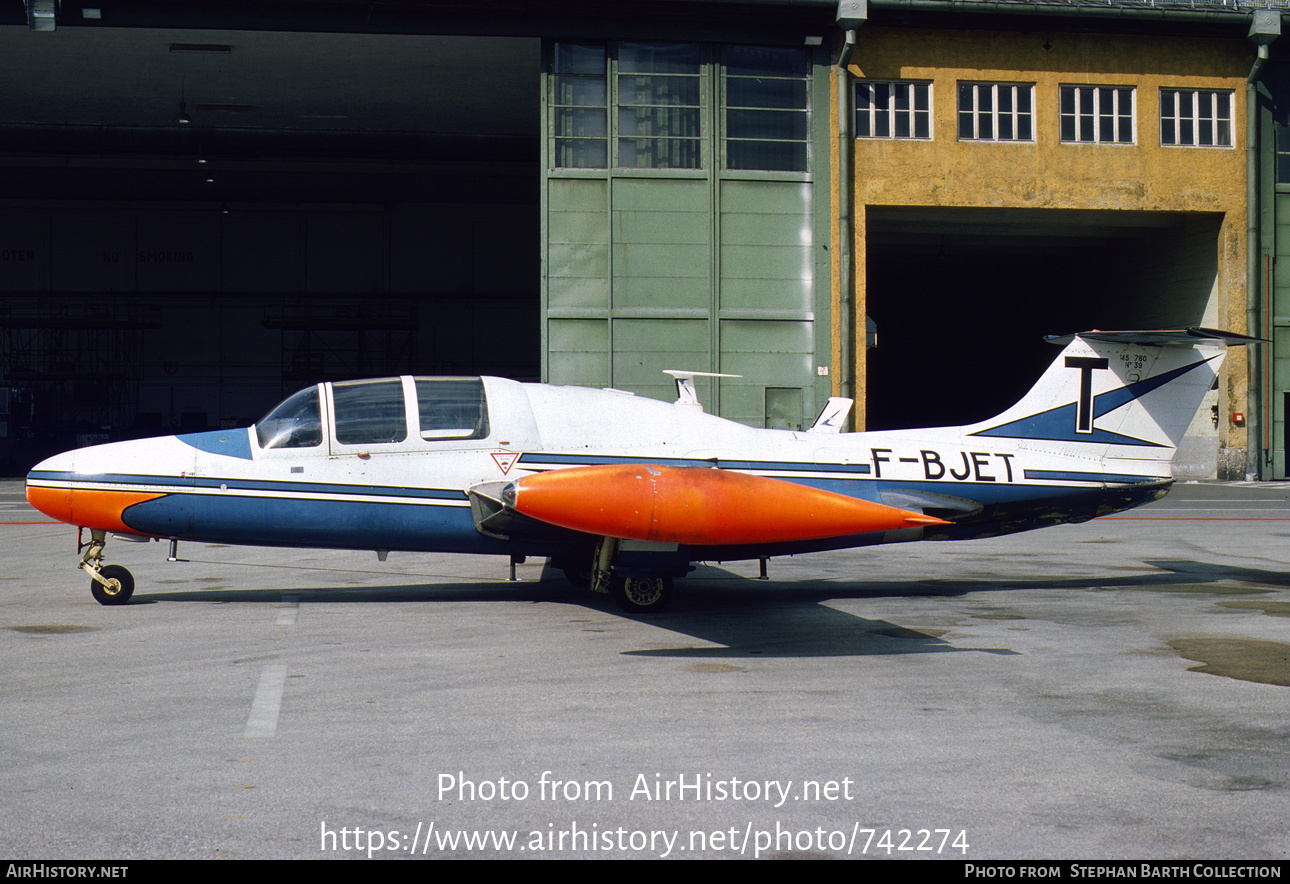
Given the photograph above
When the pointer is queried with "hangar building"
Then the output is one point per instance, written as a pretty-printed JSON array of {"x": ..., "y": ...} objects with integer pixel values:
[{"x": 205, "y": 206}]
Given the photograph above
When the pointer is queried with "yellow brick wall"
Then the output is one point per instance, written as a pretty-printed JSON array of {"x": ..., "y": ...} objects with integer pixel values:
[{"x": 1047, "y": 174}]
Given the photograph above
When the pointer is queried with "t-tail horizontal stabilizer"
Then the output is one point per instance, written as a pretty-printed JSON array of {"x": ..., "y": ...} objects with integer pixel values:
[{"x": 1133, "y": 393}]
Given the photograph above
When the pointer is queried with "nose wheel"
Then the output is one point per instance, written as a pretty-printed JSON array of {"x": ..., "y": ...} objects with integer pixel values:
[
  {"x": 110, "y": 584},
  {"x": 116, "y": 586}
]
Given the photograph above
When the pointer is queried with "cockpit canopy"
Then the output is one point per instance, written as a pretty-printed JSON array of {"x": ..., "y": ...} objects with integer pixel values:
[{"x": 377, "y": 412}]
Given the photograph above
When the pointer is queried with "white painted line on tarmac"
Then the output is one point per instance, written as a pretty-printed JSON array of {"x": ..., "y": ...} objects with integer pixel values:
[
  {"x": 263, "y": 723},
  {"x": 290, "y": 608}
]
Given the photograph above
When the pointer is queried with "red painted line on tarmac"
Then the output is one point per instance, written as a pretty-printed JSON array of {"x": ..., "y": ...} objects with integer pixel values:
[{"x": 1185, "y": 519}]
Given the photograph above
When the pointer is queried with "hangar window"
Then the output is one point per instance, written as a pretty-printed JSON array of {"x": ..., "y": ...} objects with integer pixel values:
[
  {"x": 893, "y": 110},
  {"x": 627, "y": 105},
  {"x": 1195, "y": 118},
  {"x": 652, "y": 105},
  {"x": 1280, "y": 74},
  {"x": 659, "y": 107},
  {"x": 1097, "y": 114},
  {"x": 767, "y": 119},
  {"x": 996, "y": 112},
  {"x": 580, "y": 106}
]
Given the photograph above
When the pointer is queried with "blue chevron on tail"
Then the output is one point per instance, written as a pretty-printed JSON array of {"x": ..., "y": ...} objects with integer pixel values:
[{"x": 1117, "y": 395}]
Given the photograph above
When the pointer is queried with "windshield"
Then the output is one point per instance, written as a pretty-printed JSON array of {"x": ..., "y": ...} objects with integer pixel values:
[{"x": 296, "y": 423}]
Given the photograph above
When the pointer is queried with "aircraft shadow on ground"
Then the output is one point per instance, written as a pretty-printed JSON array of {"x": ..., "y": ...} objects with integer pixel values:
[
  {"x": 772, "y": 621},
  {"x": 745, "y": 617},
  {"x": 1206, "y": 572}
]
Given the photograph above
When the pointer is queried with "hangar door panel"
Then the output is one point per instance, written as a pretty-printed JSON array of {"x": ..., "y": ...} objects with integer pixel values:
[
  {"x": 1278, "y": 435},
  {"x": 662, "y": 251},
  {"x": 577, "y": 244},
  {"x": 770, "y": 356},
  {"x": 645, "y": 348},
  {"x": 766, "y": 246},
  {"x": 577, "y": 352},
  {"x": 1275, "y": 438}
]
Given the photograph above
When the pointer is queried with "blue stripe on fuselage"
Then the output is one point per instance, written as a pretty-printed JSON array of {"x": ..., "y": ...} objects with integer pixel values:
[
  {"x": 296, "y": 522},
  {"x": 161, "y": 483},
  {"x": 535, "y": 459}
]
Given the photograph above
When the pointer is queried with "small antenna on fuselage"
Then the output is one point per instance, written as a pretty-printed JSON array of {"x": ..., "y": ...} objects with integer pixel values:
[{"x": 685, "y": 392}]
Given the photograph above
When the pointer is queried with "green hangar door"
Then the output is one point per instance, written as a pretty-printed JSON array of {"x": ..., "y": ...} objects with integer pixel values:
[{"x": 685, "y": 206}]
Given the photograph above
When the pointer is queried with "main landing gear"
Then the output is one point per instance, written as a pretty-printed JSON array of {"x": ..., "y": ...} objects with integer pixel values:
[
  {"x": 641, "y": 595},
  {"x": 111, "y": 584},
  {"x": 634, "y": 593}
]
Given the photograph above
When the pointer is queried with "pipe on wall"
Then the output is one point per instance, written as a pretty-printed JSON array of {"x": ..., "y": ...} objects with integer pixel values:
[
  {"x": 851, "y": 15},
  {"x": 1265, "y": 26}
]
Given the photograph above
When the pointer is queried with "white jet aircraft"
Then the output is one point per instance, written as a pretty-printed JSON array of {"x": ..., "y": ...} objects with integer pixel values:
[{"x": 625, "y": 493}]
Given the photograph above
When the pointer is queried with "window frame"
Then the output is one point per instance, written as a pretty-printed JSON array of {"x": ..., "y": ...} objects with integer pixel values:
[
  {"x": 365, "y": 416},
  {"x": 1195, "y": 120},
  {"x": 611, "y": 80},
  {"x": 873, "y": 112},
  {"x": 588, "y": 101},
  {"x": 726, "y": 108},
  {"x": 474, "y": 405},
  {"x": 1097, "y": 117},
  {"x": 674, "y": 111},
  {"x": 1015, "y": 115},
  {"x": 566, "y": 108}
]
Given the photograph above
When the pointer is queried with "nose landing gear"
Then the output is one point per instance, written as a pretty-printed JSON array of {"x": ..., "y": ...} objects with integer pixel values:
[{"x": 111, "y": 584}]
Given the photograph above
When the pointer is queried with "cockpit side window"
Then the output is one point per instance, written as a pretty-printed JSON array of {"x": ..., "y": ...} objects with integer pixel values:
[
  {"x": 295, "y": 423},
  {"x": 452, "y": 408},
  {"x": 370, "y": 412}
]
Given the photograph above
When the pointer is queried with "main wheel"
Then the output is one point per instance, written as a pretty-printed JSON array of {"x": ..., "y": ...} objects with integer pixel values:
[
  {"x": 119, "y": 589},
  {"x": 642, "y": 595}
]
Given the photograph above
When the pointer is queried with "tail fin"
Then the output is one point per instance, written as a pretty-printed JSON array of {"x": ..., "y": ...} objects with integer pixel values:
[
  {"x": 832, "y": 416},
  {"x": 1131, "y": 394}
]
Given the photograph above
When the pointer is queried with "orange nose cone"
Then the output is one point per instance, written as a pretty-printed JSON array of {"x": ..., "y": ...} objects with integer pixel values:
[
  {"x": 699, "y": 506},
  {"x": 53, "y": 502},
  {"x": 87, "y": 507}
]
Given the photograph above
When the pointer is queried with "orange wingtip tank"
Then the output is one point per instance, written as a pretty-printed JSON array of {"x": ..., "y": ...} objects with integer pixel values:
[{"x": 698, "y": 506}]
